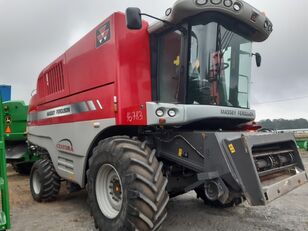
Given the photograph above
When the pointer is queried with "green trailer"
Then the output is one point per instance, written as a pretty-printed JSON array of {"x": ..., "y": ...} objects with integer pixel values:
[
  {"x": 5, "y": 204},
  {"x": 18, "y": 152}
]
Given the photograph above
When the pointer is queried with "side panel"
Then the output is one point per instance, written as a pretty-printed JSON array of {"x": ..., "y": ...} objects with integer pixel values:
[
  {"x": 89, "y": 65},
  {"x": 89, "y": 105},
  {"x": 67, "y": 127},
  {"x": 134, "y": 75},
  {"x": 68, "y": 143}
]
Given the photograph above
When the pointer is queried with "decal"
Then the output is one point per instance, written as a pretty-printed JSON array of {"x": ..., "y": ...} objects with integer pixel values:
[
  {"x": 70, "y": 109},
  {"x": 231, "y": 148},
  {"x": 65, "y": 145},
  {"x": 8, "y": 119},
  {"x": 241, "y": 113},
  {"x": 246, "y": 113},
  {"x": 91, "y": 105},
  {"x": 99, "y": 104},
  {"x": 103, "y": 34},
  {"x": 228, "y": 112},
  {"x": 180, "y": 152},
  {"x": 134, "y": 116}
]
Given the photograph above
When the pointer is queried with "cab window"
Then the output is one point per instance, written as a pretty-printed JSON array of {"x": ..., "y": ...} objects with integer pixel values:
[{"x": 169, "y": 65}]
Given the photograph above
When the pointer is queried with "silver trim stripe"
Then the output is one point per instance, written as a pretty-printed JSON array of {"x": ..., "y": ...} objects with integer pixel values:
[
  {"x": 91, "y": 105},
  {"x": 65, "y": 110},
  {"x": 99, "y": 104}
]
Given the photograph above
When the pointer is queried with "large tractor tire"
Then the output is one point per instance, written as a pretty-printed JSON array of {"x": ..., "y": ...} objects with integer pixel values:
[
  {"x": 216, "y": 204},
  {"x": 22, "y": 168},
  {"x": 44, "y": 181},
  {"x": 126, "y": 186}
]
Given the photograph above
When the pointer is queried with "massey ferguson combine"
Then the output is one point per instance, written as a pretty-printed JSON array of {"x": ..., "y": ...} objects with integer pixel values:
[{"x": 137, "y": 114}]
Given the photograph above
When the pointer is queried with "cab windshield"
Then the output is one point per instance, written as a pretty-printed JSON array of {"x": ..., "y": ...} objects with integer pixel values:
[
  {"x": 207, "y": 65},
  {"x": 219, "y": 67}
]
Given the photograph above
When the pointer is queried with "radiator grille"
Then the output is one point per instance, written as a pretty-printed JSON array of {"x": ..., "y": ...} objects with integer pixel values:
[{"x": 52, "y": 81}]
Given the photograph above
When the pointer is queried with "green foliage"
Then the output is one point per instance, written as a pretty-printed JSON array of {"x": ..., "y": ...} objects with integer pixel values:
[{"x": 281, "y": 124}]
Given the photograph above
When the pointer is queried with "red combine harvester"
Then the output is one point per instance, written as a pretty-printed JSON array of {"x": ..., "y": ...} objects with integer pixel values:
[{"x": 137, "y": 114}]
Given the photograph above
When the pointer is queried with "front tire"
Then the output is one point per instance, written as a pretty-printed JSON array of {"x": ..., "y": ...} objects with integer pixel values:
[
  {"x": 126, "y": 187},
  {"x": 44, "y": 181}
]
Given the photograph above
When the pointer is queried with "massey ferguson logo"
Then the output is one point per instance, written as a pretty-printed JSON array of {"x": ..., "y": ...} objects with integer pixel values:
[
  {"x": 102, "y": 34},
  {"x": 65, "y": 145}
]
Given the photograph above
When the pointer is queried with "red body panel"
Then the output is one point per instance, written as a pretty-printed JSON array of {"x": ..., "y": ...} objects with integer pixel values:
[
  {"x": 102, "y": 94},
  {"x": 116, "y": 72}
]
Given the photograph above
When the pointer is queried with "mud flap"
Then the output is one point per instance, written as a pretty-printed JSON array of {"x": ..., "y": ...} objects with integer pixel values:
[{"x": 266, "y": 166}]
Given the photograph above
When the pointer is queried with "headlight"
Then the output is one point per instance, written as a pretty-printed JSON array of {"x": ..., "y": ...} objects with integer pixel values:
[
  {"x": 216, "y": 2},
  {"x": 201, "y": 2},
  {"x": 237, "y": 6},
  {"x": 172, "y": 113},
  {"x": 268, "y": 26},
  {"x": 160, "y": 112},
  {"x": 228, "y": 3}
]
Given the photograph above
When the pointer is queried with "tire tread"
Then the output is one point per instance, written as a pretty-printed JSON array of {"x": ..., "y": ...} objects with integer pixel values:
[{"x": 146, "y": 184}]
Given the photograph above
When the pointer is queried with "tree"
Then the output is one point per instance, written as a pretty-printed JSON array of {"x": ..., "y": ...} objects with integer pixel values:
[{"x": 282, "y": 124}]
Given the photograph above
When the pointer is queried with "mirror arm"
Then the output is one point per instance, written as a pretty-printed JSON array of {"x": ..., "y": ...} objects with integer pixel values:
[{"x": 183, "y": 29}]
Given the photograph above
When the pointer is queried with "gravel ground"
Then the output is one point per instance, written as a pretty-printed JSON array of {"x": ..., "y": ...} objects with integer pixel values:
[{"x": 70, "y": 212}]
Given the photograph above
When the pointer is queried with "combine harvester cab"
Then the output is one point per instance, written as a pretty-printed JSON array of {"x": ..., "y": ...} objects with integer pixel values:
[{"x": 137, "y": 114}]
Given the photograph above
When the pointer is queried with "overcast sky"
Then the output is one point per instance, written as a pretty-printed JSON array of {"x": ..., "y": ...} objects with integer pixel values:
[{"x": 34, "y": 32}]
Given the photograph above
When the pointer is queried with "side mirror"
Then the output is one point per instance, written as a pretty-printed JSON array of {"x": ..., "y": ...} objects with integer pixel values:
[
  {"x": 258, "y": 59},
  {"x": 133, "y": 18}
]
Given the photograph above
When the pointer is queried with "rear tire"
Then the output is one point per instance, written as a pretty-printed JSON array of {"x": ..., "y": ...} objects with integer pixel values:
[
  {"x": 216, "y": 204},
  {"x": 44, "y": 181},
  {"x": 136, "y": 198}
]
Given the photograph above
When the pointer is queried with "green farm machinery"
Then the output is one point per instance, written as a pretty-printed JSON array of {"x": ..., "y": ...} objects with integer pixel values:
[
  {"x": 18, "y": 153},
  {"x": 5, "y": 208},
  {"x": 302, "y": 140}
]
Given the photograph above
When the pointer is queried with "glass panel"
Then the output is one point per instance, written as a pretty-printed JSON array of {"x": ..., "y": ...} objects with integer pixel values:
[
  {"x": 244, "y": 74},
  {"x": 169, "y": 66},
  {"x": 219, "y": 67}
]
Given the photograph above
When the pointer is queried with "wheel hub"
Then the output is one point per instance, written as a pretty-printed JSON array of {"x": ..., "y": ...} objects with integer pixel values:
[
  {"x": 36, "y": 182},
  {"x": 116, "y": 187},
  {"x": 108, "y": 188}
]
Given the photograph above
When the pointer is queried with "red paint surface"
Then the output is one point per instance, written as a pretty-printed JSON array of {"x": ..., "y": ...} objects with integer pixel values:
[
  {"x": 103, "y": 94},
  {"x": 120, "y": 67}
]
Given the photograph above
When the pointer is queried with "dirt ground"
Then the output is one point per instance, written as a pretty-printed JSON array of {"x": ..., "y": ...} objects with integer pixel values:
[{"x": 70, "y": 212}]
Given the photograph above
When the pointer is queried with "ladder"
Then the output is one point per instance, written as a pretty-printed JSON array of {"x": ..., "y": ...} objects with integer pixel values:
[{"x": 5, "y": 222}]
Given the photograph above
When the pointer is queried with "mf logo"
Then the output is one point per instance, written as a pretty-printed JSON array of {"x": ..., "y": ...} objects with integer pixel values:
[
  {"x": 102, "y": 34},
  {"x": 65, "y": 145}
]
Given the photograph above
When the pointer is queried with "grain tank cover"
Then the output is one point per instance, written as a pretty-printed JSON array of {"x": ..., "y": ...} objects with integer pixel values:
[{"x": 260, "y": 26}]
